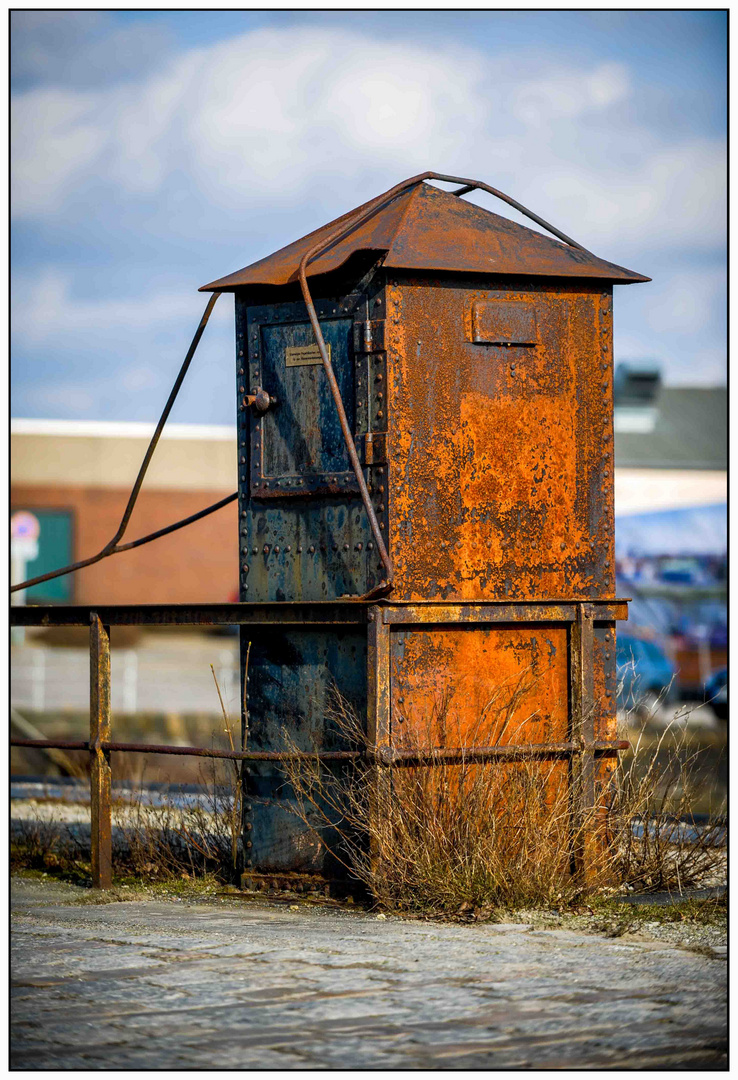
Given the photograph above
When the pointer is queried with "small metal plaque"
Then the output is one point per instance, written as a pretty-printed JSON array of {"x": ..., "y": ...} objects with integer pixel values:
[
  {"x": 303, "y": 355},
  {"x": 500, "y": 322}
]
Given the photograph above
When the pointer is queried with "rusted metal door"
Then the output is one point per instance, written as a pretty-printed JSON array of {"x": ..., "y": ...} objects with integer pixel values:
[{"x": 297, "y": 446}]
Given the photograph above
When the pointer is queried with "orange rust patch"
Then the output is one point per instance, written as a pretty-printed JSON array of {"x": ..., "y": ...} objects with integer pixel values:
[
  {"x": 501, "y": 470},
  {"x": 478, "y": 686}
]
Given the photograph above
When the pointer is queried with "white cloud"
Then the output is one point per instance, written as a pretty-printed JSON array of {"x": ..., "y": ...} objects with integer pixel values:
[
  {"x": 138, "y": 379},
  {"x": 62, "y": 398},
  {"x": 274, "y": 112},
  {"x": 688, "y": 299},
  {"x": 55, "y": 139},
  {"x": 283, "y": 119},
  {"x": 263, "y": 113},
  {"x": 115, "y": 356},
  {"x": 566, "y": 93},
  {"x": 272, "y": 116},
  {"x": 633, "y": 205},
  {"x": 45, "y": 310}
]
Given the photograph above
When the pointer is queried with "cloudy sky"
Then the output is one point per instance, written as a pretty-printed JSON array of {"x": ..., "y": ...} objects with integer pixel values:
[{"x": 155, "y": 151}]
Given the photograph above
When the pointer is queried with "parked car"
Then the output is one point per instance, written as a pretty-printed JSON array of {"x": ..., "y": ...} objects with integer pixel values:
[
  {"x": 682, "y": 572},
  {"x": 645, "y": 675},
  {"x": 716, "y": 693}
]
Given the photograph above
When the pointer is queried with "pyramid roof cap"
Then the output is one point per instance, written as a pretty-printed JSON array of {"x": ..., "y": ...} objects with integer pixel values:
[{"x": 425, "y": 228}]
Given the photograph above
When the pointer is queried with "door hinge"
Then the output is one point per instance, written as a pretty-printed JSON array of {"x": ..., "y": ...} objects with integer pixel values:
[
  {"x": 369, "y": 336},
  {"x": 375, "y": 448}
]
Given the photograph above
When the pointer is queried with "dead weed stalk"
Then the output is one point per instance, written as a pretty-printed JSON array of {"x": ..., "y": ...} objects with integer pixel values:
[{"x": 654, "y": 838}]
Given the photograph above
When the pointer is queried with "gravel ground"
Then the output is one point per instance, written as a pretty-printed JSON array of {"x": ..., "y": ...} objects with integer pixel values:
[{"x": 171, "y": 984}]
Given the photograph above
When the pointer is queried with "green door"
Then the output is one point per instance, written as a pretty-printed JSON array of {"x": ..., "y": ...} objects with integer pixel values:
[{"x": 54, "y": 551}]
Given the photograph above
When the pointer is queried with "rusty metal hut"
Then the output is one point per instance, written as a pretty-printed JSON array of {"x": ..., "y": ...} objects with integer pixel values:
[{"x": 472, "y": 359}]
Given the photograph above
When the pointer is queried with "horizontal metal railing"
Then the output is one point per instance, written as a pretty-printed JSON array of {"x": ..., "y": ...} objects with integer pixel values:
[
  {"x": 584, "y": 747},
  {"x": 381, "y": 755}
]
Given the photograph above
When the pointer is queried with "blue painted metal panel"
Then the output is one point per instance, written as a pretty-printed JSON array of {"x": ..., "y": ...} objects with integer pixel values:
[
  {"x": 304, "y": 534},
  {"x": 291, "y": 676}
]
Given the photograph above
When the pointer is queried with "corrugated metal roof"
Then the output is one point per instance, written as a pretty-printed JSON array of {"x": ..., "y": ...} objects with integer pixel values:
[
  {"x": 425, "y": 228},
  {"x": 690, "y": 431}
]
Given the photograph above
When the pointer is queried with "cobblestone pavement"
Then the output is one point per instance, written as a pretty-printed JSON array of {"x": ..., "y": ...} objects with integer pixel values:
[{"x": 174, "y": 985}]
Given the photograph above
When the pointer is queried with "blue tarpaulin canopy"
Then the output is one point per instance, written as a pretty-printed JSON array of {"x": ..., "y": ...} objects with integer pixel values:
[{"x": 691, "y": 530}]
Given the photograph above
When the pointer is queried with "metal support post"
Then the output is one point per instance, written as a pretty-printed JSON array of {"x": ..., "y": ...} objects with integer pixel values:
[
  {"x": 100, "y": 823},
  {"x": 378, "y": 714},
  {"x": 581, "y": 672}
]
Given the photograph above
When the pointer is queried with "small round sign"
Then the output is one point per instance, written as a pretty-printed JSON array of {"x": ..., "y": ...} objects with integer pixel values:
[{"x": 24, "y": 526}]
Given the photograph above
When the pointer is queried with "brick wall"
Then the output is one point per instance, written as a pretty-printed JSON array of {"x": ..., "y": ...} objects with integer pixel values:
[{"x": 198, "y": 564}]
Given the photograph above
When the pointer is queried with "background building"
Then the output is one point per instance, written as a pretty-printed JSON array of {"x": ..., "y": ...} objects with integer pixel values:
[
  {"x": 671, "y": 517},
  {"x": 76, "y": 476},
  {"x": 671, "y": 444}
]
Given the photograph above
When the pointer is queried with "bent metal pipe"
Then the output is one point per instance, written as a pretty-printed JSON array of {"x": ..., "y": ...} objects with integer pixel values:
[{"x": 382, "y": 755}]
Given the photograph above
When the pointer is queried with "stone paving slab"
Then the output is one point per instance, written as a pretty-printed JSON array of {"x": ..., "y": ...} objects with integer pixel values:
[{"x": 169, "y": 985}]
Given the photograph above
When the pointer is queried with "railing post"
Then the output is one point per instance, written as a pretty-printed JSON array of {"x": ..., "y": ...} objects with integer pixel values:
[
  {"x": 581, "y": 673},
  {"x": 378, "y": 719},
  {"x": 100, "y": 824}
]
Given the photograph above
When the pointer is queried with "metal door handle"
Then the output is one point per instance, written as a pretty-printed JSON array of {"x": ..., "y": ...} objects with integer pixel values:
[{"x": 260, "y": 399}]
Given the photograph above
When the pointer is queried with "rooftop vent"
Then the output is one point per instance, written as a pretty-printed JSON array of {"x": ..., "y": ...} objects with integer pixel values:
[
  {"x": 637, "y": 383},
  {"x": 635, "y": 389}
]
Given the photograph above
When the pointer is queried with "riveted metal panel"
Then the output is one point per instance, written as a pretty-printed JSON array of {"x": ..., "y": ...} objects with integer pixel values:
[
  {"x": 291, "y": 674},
  {"x": 304, "y": 534},
  {"x": 501, "y": 467}
]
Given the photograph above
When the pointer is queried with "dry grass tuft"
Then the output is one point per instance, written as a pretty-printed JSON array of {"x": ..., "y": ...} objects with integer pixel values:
[
  {"x": 37, "y": 844},
  {"x": 655, "y": 839},
  {"x": 464, "y": 839},
  {"x": 161, "y": 843},
  {"x": 202, "y": 839},
  {"x": 469, "y": 838},
  {"x": 199, "y": 838}
]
